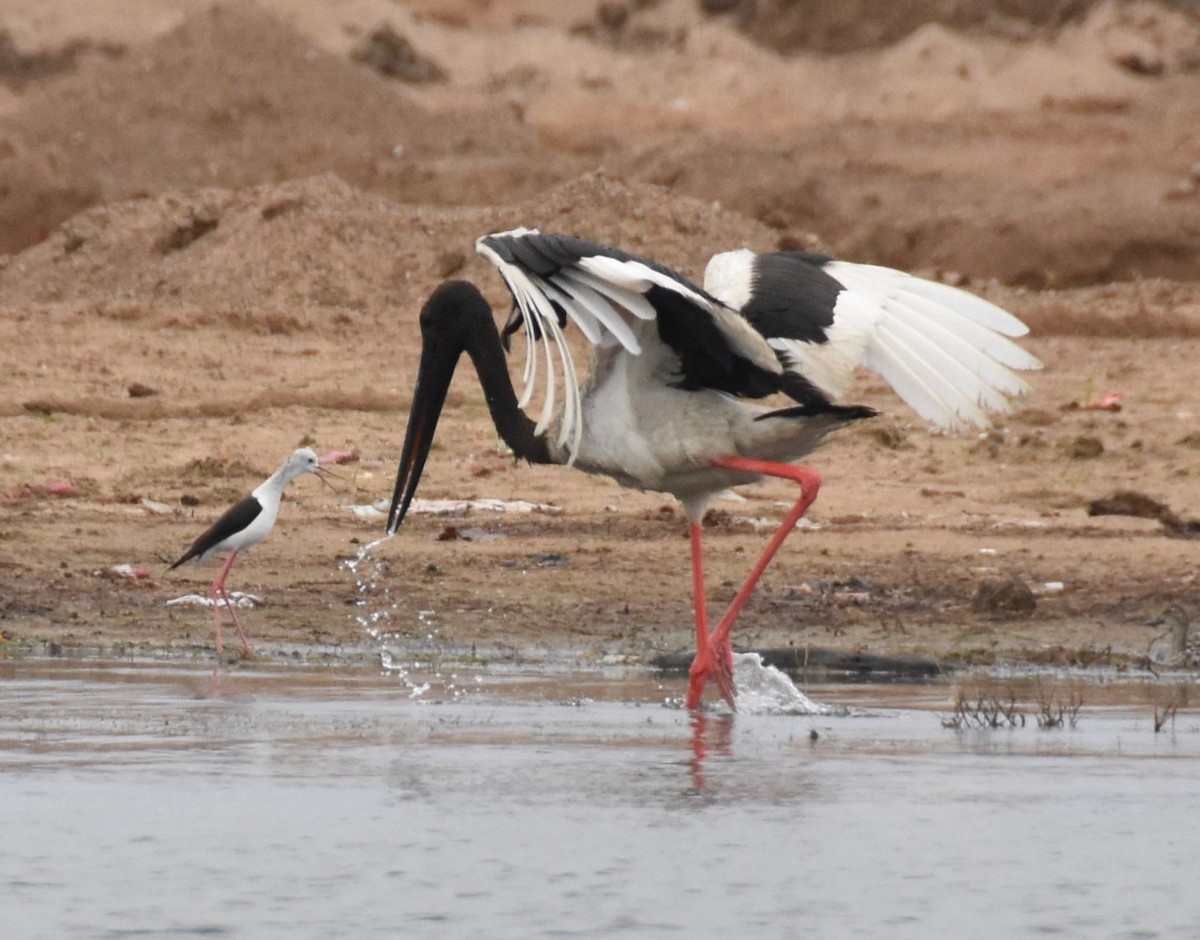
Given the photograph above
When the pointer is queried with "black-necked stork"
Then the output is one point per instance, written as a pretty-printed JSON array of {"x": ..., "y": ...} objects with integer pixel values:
[
  {"x": 246, "y": 523},
  {"x": 673, "y": 399}
]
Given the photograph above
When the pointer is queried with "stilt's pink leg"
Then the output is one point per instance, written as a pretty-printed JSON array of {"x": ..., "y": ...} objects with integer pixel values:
[
  {"x": 216, "y": 599},
  {"x": 218, "y": 595},
  {"x": 237, "y": 623},
  {"x": 717, "y": 656}
]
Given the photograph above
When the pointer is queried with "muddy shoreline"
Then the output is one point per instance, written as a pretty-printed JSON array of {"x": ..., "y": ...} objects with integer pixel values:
[{"x": 225, "y": 261}]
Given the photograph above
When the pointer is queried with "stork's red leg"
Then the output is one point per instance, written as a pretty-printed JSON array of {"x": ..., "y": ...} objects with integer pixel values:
[
  {"x": 698, "y": 599},
  {"x": 703, "y": 663},
  {"x": 810, "y": 484},
  {"x": 715, "y": 658}
]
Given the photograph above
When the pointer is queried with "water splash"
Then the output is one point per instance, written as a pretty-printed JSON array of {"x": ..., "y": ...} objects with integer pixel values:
[
  {"x": 375, "y": 612},
  {"x": 764, "y": 690},
  {"x": 389, "y": 662},
  {"x": 374, "y": 604}
]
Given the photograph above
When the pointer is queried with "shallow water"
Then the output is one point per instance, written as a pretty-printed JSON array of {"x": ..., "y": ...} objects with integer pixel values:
[{"x": 142, "y": 799}]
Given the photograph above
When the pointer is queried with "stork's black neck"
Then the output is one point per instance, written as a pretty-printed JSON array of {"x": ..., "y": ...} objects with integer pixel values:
[
  {"x": 457, "y": 313},
  {"x": 456, "y": 319}
]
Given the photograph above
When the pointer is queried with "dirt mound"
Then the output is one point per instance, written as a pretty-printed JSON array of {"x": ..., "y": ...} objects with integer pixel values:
[
  {"x": 308, "y": 247},
  {"x": 233, "y": 98},
  {"x": 1069, "y": 159}
]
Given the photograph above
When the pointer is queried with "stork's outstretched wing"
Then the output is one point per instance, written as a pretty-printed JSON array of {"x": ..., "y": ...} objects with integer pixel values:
[{"x": 945, "y": 351}]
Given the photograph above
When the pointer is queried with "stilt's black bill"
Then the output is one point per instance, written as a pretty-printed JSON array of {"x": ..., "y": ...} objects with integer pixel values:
[{"x": 324, "y": 474}]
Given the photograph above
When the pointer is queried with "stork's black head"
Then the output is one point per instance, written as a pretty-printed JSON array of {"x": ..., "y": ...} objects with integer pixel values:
[
  {"x": 446, "y": 328},
  {"x": 454, "y": 320}
]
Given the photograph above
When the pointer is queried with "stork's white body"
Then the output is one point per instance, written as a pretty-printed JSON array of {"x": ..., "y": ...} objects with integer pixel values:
[{"x": 647, "y": 434}]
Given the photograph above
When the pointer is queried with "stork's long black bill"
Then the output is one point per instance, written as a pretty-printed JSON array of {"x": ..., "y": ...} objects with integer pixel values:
[
  {"x": 456, "y": 319},
  {"x": 433, "y": 381}
]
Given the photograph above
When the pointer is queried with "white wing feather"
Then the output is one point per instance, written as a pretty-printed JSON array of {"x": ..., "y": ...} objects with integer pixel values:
[
  {"x": 590, "y": 298},
  {"x": 944, "y": 351},
  {"x": 605, "y": 295},
  {"x": 830, "y": 365}
]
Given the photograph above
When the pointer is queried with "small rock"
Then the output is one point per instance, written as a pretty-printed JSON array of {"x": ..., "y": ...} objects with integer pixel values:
[
  {"x": 1108, "y": 401},
  {"x": 612, "y": 14},
  {"x": 891, "y": 437},
  {"x": 448, "y": 263},
  {"x": 1085, "y": 447},
  {"x": 1004, "y": 598},
  {"x": 1140, "y": 62},
  {"x": 1181, "y": 190},
  {"x": 1130, "y": 503},
  {"x": 198, "y": 222},
  {"x": 393, "y": 56}
]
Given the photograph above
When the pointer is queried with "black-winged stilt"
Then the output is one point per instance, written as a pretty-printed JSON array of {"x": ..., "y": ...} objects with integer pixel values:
[
  {"x": 671, "y": 401},
  {"x": 244, "y": 524}
]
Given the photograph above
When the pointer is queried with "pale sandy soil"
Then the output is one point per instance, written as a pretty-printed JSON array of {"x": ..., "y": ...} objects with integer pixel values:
[{"x": 221, "y": 227}]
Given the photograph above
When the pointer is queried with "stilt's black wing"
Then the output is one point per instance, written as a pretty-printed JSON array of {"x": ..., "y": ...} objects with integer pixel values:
[{"x": 236, "y": 518}]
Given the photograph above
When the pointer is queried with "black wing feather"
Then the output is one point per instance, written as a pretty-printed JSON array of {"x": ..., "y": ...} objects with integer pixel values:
[
  {"x": 546, "y": 255},
  {"x": 536, "y": 255},
  {"x": 235, "y": 518},
  {"x": 705, "y": 359},
  {"x": 792, "y": 296}
]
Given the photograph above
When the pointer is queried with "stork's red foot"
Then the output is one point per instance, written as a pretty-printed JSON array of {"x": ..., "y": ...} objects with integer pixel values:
[{"x": 714, "y": 659}]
